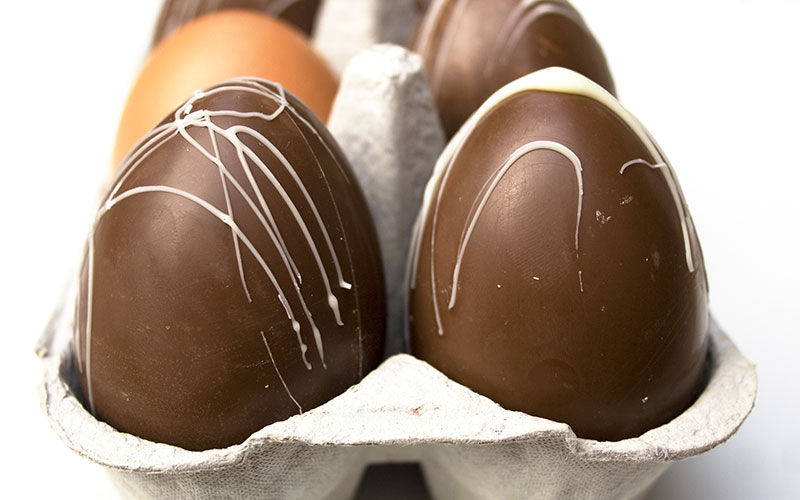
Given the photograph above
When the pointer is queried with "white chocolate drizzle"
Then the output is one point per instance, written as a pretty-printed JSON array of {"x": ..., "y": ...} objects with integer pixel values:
[
  {"x": 677, "y": 196},
  {"x": 494, "y": 181},
  {"x": 87, "y": 365},
  {"x": 554, "y": 79},
  {"x": 229, "y": 208},
  {"x": 184, "y": 118},
  {"x": 278, "y": 372}
]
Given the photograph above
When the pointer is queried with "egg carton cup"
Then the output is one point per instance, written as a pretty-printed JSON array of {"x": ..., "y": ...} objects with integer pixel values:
[{"x": 405, "y": 410}]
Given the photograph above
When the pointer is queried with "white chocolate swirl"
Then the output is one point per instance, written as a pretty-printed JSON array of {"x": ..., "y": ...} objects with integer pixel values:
[{"x": 251, "y": 165}]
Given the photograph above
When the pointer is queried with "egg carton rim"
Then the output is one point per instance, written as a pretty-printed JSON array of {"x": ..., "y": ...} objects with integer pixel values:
[{"x": 732, "y": 378}]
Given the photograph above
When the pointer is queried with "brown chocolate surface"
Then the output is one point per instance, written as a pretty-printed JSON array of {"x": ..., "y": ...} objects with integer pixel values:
[
  {"x": 472, "y": 48},
  {"x": 208, "y": 297},
  {"x": 175, "y": 13},
  {"x": 576, "y": 300}
]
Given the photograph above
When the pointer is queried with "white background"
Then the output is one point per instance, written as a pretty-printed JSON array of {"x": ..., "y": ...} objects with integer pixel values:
[{"x": 715, "y": 82}]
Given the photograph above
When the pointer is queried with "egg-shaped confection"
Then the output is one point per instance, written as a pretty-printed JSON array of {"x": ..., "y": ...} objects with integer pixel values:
[
  {"x": 216, "y": 47},
  {"x": 471, "y": 48},
  {"x": 175, "y": 13},
  {"x": 232, "y": 276},
  {"x": 555, "y": 267}
]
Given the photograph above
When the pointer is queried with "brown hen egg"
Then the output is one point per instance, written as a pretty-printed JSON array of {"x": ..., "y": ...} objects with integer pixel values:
[{"x": 217, "y": 47}]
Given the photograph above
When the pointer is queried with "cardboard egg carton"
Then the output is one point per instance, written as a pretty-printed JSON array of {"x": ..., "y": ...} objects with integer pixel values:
[{"x": 405, "y": 410}]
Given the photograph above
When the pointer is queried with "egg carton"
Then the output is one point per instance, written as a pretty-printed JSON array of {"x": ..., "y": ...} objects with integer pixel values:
[{"x": 405, "y": 410}]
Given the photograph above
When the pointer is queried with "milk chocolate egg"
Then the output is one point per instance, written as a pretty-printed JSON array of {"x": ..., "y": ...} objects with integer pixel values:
[
  {"x": 232, "y": 276},
  {"x": 175, "y": 13},
  {"x": 471, "y": 48},
  {"x": 217, "y": 47},
  {"x": 555, "y": 267}
]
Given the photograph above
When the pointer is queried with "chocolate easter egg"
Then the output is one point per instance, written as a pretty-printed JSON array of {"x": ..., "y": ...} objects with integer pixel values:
[
  {"x": 176, "y": 13},
  {"x": 555, "y": 267},
  {"x": 471, "y": 48},
  {"x": 232, "y": 276}
]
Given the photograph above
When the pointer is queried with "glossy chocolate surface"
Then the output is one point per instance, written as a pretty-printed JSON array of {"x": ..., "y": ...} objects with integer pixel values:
[
  {"x": 232, "y": 276},
  {"x": 556, "y": 268},
  {"x": 472, "y": 48},
  {"x": 175, "y": 13}
]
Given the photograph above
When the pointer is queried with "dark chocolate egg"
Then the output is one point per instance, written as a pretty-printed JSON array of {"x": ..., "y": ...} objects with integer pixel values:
[
  {"x": 555, "y": 267},
  {"x": 471, "y": 48},
  {"x": 232, "y": 276},
  {"x": 176, "y": 13}
]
